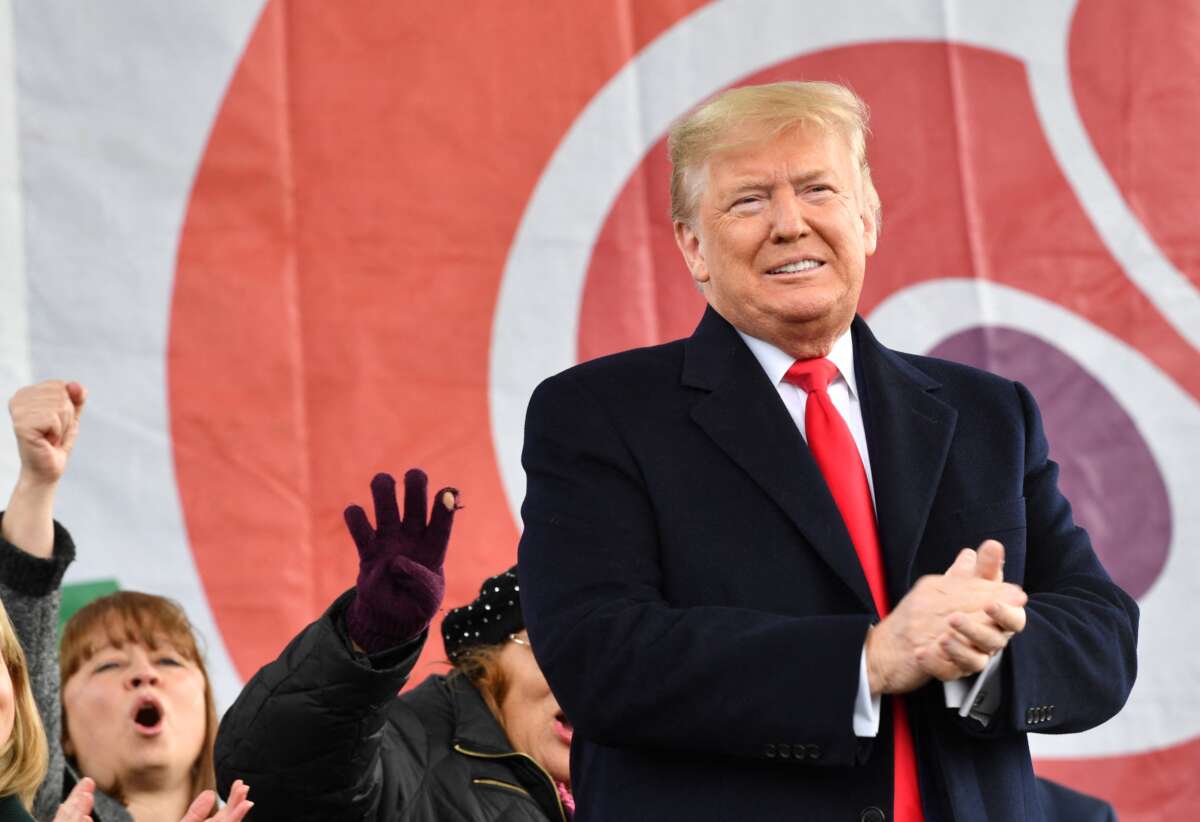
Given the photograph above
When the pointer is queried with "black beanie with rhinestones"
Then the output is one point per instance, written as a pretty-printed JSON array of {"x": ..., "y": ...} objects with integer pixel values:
[{"x": 488, "y": 620}]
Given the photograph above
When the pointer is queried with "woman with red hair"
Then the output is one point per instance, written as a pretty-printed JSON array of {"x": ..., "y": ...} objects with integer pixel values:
[{"x": 132, "y": 738}]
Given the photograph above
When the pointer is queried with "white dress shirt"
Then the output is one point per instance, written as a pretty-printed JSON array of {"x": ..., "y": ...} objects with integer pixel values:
[{"x": 963, "y": 694}]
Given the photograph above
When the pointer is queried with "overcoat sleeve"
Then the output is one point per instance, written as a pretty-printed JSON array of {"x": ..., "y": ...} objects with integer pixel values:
[
  {"x": 629, "y": 668},
  {"x": 1075, "y": 663},
  {"x": 310, "y": 733}
]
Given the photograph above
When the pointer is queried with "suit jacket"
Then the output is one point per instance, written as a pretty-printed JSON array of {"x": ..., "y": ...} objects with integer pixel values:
[{"x": 698, "y": 608}]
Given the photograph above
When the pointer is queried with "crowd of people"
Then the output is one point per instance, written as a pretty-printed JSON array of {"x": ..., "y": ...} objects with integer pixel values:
[
  {"x": 486, "y": 742},
  {"x": 908, "y": 694},
  {"x": 117, "y": 721}
]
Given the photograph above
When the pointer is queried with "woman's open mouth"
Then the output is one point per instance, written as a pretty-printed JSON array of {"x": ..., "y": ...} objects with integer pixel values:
[
  {"x": 148, "y": 717},
  {"x": 563, "y": 728}
]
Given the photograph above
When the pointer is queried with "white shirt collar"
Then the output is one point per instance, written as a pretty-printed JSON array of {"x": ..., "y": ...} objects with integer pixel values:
[{"x": 776, "y": 362}]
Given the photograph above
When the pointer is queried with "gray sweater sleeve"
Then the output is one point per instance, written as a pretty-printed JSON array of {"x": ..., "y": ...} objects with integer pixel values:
[{"x": 30, "y": 588}]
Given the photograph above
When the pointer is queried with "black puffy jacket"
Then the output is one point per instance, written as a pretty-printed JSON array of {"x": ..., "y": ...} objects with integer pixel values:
[{"x": 320, "y": 734}]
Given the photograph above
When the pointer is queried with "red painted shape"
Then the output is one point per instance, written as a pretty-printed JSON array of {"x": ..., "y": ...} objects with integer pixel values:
[
  {"x": 638, "y": 290},
  {"x": 1156, "y": 786},
  {"x": 1135, "y": 73},
  {"x": 337, "y": 274}
]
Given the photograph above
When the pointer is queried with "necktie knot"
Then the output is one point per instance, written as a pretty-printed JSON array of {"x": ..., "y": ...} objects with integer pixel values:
[{"x": 811, "y": 375}]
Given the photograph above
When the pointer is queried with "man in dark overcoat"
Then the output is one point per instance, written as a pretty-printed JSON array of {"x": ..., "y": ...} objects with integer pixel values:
[{"x": 778, "y": 571}]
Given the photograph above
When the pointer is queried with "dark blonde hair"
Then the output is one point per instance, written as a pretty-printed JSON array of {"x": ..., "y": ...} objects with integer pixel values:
[
  {"x": 24, "y": 755},
  {"x": 768, "y": 110},
  {"x": 481, "y": 666},
  {"x": 147, "y": 620}
]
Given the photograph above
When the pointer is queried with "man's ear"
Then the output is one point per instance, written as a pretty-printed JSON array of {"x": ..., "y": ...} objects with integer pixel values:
[
  {"x": 688, "y": 241},
  {"x": 870, "y": 218}
]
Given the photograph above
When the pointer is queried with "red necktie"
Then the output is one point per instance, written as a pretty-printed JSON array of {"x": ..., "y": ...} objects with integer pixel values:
[{"x": 833, "y": 447}]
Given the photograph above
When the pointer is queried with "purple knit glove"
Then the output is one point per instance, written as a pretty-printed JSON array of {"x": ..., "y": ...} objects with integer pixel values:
[{"x": 400, "y": 578}]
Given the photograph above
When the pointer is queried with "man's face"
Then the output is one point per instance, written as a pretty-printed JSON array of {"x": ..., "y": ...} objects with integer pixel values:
[{"x": 780, "y": 236}]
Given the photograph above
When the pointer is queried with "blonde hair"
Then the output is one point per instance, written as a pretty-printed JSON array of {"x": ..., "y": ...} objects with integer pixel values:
[
  {"x": 147, "y": 620},
  {"x": 23, "y": 757},
  {"x": 765, "y": 111}
]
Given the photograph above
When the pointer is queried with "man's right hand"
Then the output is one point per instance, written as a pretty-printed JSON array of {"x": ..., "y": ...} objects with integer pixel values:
[
  {"x": 908, "y": 647},
  {"x": 400, "y": 577}
]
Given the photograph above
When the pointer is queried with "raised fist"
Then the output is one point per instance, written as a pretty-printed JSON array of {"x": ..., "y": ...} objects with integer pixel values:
[
  {"x": 400, "y": 578},
  {"x": 46, "y": 421}
]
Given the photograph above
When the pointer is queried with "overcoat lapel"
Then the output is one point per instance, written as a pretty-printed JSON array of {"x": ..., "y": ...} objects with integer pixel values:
[
  {"x": 908, "y": 436},
  {"x": 746, "y": 419}
]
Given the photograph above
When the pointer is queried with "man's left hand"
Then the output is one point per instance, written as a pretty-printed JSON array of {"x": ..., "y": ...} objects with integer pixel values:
[{"x": 972, "y": 639}]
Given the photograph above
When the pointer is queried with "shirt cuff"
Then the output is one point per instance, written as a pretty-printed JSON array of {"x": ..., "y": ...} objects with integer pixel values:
[
  {"x": 866, "y": 706},
  {"x": 956, "y": 691},
  {"x": 977, "y": 696}
]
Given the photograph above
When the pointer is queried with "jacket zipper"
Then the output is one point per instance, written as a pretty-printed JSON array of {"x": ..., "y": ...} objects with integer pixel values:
[
  {"x": 553, "y": 787},
  {"x": 496, "y": 783}
]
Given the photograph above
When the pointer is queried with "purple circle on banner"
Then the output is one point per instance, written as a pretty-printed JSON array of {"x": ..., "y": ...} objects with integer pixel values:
[{"x": 1116, "y": 490}]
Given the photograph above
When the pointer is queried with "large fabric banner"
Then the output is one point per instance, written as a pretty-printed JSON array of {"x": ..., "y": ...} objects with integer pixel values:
[{"x": 287, "y": 245}]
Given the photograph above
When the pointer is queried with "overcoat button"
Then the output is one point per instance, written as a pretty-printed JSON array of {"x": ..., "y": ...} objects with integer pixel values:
[
  {"x": 814, "y": 752},
  {"x": 770, "y": 751},
  {"x": 872, "y": 814},
  {"x": 785, "y": 750}
]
